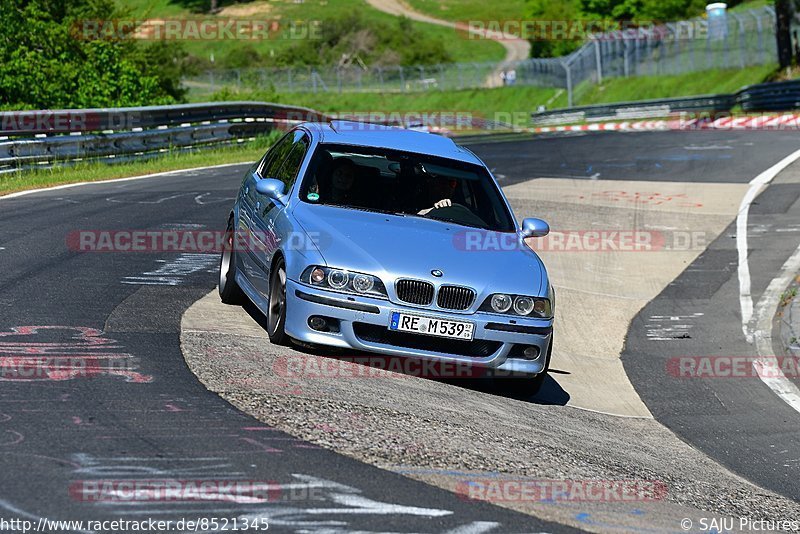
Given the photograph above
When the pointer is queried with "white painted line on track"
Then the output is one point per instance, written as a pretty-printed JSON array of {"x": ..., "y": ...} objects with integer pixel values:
[
  {"x": 756, "y": 184},
  {"x": 761, "y": 335},
  {"x": 766, "y": 365},
  {"x": 115, "y": 180}
]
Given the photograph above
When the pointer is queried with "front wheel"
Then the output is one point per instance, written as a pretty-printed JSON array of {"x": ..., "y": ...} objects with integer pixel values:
[
  {"x": 276, "y": 312},
  {"x": 229, "y": 290}
]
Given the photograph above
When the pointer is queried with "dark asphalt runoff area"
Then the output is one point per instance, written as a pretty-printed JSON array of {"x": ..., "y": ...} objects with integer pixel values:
[{"x": 117, "y": 405}]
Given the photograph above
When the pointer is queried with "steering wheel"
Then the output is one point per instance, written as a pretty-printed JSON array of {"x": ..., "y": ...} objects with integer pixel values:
[{"x": 457, "y": 213}]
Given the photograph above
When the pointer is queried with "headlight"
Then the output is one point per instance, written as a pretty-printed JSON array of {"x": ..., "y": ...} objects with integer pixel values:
[
  {"x": 501, "y": 303},
  {"x": 523, "y": 305},
  {"x": 518, "y": 305},
  {"x": 343, "y": 281}
]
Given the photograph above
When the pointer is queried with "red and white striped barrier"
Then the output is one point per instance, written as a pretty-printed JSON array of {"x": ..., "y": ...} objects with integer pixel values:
[{"x": 788, "y": 121}]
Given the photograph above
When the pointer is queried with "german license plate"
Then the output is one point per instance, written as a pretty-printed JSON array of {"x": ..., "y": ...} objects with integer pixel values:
[{"x": 431, "y": 326}]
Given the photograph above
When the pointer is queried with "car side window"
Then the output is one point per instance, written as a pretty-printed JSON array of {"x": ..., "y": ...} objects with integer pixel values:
[
  {"x": 294, "y": 160},
  {"x": 276, "y": 155}
]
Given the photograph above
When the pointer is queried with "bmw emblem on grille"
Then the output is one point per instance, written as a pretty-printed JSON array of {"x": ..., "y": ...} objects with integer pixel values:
[{"x": 437, "y": 273}]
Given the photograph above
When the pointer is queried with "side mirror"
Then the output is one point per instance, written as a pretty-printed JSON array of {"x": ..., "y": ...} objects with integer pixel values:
[
  {"x": 533, "y": 227},
  {"x": 271, "y": 188}
]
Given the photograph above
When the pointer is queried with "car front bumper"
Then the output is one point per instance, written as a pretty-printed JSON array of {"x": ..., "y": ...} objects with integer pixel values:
[{"x": 497, "y": 344}]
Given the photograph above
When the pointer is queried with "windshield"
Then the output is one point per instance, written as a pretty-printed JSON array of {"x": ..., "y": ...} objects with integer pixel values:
[{"x": 402, "y": 183}]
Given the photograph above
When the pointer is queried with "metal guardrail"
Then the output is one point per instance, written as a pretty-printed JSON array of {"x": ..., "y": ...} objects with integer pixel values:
[
  {"x": 31, "y": 139},
  {"x": 777, "y": 96},
  {"x": 642, "y": 109}
]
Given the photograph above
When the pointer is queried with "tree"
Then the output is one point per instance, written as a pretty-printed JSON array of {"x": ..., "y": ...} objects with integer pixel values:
[{"x": 48, "y": 59}]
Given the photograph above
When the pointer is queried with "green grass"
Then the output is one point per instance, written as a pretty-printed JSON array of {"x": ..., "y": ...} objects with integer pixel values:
[
  {"x": 646, "y": 87},
  {"x": 478, "y": 10},
  {"x": 171, "y": 161},
  {"x": 507, "y": 104},
  {"x": 460, "y": 49}
]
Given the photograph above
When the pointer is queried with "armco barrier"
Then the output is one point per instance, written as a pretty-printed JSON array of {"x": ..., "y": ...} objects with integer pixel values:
[
  {"x": 776, "y": 96},
  {"x": 34, "y": 138}
]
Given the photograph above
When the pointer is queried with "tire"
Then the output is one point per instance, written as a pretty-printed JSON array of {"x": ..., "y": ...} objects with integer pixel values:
[
  {"x": 229, "y": 290},
  {"x": 527, "y": 387},
  {"x": 276, "y": 311}
]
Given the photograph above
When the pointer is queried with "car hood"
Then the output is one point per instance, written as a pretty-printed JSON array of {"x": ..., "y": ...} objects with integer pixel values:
[{"x": 392, "y": 247}]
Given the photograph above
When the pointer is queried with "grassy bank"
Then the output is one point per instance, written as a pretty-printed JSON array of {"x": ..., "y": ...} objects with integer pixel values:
[
  {"x": 514, "y": 104},
  {"x": 698, "y": 83},
  {"x": 171, "y": 161},
  {"x": 460, "y": 49}
]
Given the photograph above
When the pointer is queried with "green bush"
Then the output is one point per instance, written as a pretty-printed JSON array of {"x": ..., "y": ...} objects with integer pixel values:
[{"x": 351, "y": 37}]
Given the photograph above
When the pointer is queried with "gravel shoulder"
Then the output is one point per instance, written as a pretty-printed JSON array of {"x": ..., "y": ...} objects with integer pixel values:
[{"x": 445, "y": 434}]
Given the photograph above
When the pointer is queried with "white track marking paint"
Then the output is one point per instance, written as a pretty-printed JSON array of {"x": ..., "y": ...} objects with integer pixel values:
[
  {"x": 476, "y": 527},
  {"x": 175, "y": 272},
  {"x": 670, "y": 327},
  {"x": 765, "y": 366},
  {"x": 117, "y": 180},
  {"x": 761, "y": 334},
  {"x": 756, "y": 184},
  {"x": 159, "y": 201}
]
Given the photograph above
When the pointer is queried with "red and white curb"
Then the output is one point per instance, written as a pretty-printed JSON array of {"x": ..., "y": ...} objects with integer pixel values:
[{"x": 788, "y": 121}]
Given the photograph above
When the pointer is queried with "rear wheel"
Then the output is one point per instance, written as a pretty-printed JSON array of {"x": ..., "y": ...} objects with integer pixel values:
[
  {"x": 528, "y": 387},
  {"x": 229, "y": 290},
  {"x": 276, "y": 312}
]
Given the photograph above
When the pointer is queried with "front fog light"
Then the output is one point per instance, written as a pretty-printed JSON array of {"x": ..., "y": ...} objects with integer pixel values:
[
  {"x": 523, "y": 305},
  {"x": 363, "y": 283},
  {"x": 338, "y": 279},
  {"x": 317, "y": 275},
  {"x": 501, "y": 303}
]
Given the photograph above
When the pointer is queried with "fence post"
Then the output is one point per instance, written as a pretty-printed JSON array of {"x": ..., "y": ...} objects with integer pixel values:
[
  {"x": 597, "y": 61},
  {"x": 569, "y": 82},
  {"x": 402, "y": 79},
  {"x": 759, "y": 29}
]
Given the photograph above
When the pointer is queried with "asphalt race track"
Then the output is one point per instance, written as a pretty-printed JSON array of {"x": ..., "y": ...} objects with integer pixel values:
[
  {"x": 124, "y": 406},
  {"x": 108, "y": 398}
]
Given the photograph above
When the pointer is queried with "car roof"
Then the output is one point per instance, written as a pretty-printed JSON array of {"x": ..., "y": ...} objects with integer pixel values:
[{"x": 377, "y": 135}]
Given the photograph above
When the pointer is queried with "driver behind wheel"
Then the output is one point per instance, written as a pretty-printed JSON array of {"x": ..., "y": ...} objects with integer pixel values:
[{"x": 439, "y": 192}]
